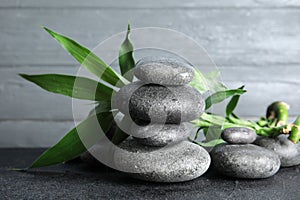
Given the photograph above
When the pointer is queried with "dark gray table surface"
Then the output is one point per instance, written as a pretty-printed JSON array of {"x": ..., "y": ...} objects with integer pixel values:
[{"x": 77, "y": 180}]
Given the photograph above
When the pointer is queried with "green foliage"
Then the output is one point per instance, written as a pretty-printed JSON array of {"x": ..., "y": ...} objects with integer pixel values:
[
  {"x": 126, "y": 59},
  {"x": 88, "y": 59},
  {"x": 76, "y": 87},
  {"x": 207, "y": 82},
  {"x": 221, "y": 96},
  {"x": 233, "y": 103},
  {"x": 70, "y": 146}
]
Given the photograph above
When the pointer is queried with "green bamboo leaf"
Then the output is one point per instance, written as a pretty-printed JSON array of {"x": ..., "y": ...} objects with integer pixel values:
[
  {"x": 215, "y": 120},
  {"x": 214, "y": 84},
  {"x": 233, "y": 103},
  {"x": 199, "y": 82},
  {"x": 88, "y": 59},
  {"x": 211, "y": 143},
  {"x": 84, "y": 88},
  {"x": 70, "y": 146},
  {"x": 244, "y": 123},
  {"x": 221, "y": 96},
  {"x": 207, "y": 82},
  {"x": 126, "y": 60}
]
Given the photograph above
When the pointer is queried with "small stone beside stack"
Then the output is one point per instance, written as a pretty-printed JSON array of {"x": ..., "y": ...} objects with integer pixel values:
[
  {"x": 161, "y": 104},
  {"x": 241, "y": 159}
]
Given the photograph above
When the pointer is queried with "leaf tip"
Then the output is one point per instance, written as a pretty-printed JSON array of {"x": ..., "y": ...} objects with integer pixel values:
[
  {"x": 25, "y": 76},
  {"x": 52, "y": 33},
  {"x": 128, "y": 26}
]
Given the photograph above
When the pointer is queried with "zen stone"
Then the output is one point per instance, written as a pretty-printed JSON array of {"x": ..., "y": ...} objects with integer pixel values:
[
  {"x": 245, "y": 161},
  {"x": 238, "y": 135},
  {"x": 157, "y": 103},
  {"x": 163, "y": 71},
  {"x": 122, "y": 97},
  {"x": 182, "y": 162},
  {"x": 160, "y": 134},
  {"x": 288, "y": 152}
]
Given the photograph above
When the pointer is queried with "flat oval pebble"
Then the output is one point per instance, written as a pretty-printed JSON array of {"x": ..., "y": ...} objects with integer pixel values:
[
  {"x": 288, "y": 152},
  {"x": 245, "y": 161},
  {"x": 163, "y": 71},
  {"x": 238, "y": 135},
  {"x": 157, "y": 103},
  {"x": 160, "y": 134},
  {"x": 182, "y": 162}
]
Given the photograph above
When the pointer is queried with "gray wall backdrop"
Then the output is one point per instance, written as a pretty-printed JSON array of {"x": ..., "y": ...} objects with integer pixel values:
[{"x": 253, "y": 42}]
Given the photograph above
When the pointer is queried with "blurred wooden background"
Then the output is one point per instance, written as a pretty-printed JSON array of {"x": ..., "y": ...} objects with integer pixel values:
[{"x": 253, "y": 42}]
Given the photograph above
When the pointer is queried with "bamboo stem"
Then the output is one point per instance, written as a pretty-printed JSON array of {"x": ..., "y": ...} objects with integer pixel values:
[
  {"x": 278, "y": 111},
  {"x": 295, "y": 132}
]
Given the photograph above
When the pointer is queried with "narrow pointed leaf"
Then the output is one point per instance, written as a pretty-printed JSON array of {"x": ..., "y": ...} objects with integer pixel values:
[
  {"x": 211, "y": 143},
  {"x": 215, "y": 120},
  {"x": 221, "y": 96},
  {"x": 77, "y": 87},
  {"x": 70, "y": 146},
  {"x": 207, "y": 82},
  {"x": 199, "y": 82},
  {"x": 88, "y": 59},
  {"x": 233, "y": 103},
  {"x": 126, "y": 60}
]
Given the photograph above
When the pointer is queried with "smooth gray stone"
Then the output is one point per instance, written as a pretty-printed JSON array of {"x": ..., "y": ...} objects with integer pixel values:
[
  {"x": 163, "y": 71},
  {"x": 120, "y": 99},
  {"x": 160, "y": 134},
  {"x": 245, "y": 161},
  {"x": 288, "y": 152},
  {"x": 161, "y": 104},
  {"x": 238, "y": 135},
  {"x": 181, "y": 162}
]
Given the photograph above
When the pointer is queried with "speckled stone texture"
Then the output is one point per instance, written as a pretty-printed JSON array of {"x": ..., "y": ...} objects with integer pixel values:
[
  {"x": 120, "y": 99},
  {"x": 238, "y": 135},
  {"x": 182, "y": 162},
  {"x": 288, "y": 152},
  {"x": 245, "y": 161},
  {"x": 161, "y": 134},
  {"x": 163, "y": 71},
  {"x": 157, "y": 103}
]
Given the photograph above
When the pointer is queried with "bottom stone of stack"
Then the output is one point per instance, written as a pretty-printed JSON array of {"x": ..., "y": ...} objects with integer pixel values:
[{"x": 180, "y": 162}]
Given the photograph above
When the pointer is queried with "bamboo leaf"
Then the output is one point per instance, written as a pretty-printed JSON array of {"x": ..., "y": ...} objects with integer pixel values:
[
  {"x": 70, "y": 146},
  {"x": 199, "y": 82},
  {"x": 88, "y": 59},
  {"x": 208, "y": 120},
  {"x": 211, "y": 143},
  {"x": 77, "y": 87},
  {"x": 213, "y": 119},
  {"x": 207, "y": 82},
  {"x": 233, "y": 103},
  {"x": 221, "y": 96},
  {"x": 126, "y": 60}
]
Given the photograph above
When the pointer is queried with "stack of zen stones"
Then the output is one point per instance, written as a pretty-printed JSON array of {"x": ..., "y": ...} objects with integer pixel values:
[
  {"x": 241, "y": 159},
  {"x": 161, "y": 105}
]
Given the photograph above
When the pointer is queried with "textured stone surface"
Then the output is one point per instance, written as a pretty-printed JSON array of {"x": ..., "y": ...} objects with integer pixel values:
[
  {"x": 245, "y": 161},
  {"x": 288, "y": 152},
  {"x": 238, "y": 135},
  {"x": 160, "y": 134},
  {"x": 163, "y": 71},
  {"x": 182, "y": 162},
  {"x": 158, "y": 103}
]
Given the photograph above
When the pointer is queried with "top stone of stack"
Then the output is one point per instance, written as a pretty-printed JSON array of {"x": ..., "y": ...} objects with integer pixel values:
[{"x": 164, "y": 71}]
